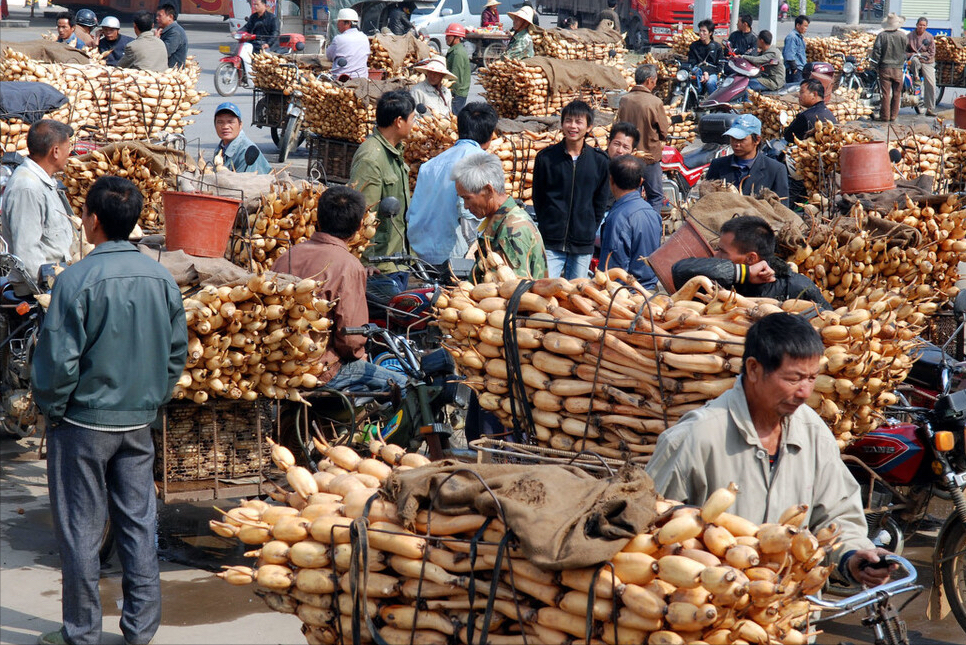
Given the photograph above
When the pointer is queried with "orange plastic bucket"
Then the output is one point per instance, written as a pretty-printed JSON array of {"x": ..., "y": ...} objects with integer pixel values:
[
  {"x": 198, "y": 223},
  {"x": 959, "y": 112},
  {"x": 686, "y": 242},
  {"x": 865, "y": 168}
]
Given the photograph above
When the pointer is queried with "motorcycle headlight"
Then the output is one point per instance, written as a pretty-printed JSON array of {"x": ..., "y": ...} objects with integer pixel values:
[
  {"x": 848, "y": 68},
  {"x": 682, "y": 75}
]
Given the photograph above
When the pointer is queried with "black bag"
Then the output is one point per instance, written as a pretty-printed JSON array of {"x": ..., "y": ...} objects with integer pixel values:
[{"x": 28, "y": 101}]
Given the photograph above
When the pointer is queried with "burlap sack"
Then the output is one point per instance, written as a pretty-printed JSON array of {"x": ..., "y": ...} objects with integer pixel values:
[
  {"x": 715, "y": 208},
  {"x": 371, "y": 91},
  {"x": 569, "y": 75},
  {"x": 47, "y": 51},
  {"x": 885, "y": 201},
  {"x": 563, "y": 517},
  {"x": 593, "y": 36},
  {"x": 399, "y": 47},
  {"x": 191, "y": 271},
  {"x": 247, "y": 186}
]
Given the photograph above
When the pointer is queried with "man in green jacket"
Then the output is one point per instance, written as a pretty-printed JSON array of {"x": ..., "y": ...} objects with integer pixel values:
[
  {"x": 458, "y": 64},
  {"x": 379, "y": 171},
  {"x": 889, "y": 54},
  {"x": 110, "y": 352}
]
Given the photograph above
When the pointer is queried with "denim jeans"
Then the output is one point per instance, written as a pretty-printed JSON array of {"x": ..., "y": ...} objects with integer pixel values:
[
  {"x": 653, "y": 186},
  {"x": 708, "y": 87},
  {"x": 458, "y": 103},
  {"x": 91, "y": 475},
  {"x": 755, "y": 84},
  {"x": 363, "y": 376},
  {"x": 568, "y": 265}
]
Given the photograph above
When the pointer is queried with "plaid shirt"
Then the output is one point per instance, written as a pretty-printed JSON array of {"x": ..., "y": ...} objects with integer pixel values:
[{"x": 521, "y": 46}]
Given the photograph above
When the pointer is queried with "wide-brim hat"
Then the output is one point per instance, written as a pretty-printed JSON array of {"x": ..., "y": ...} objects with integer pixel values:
[
  {"x": 893, "y": 21},
  {"x": 525, "y": 13},
  {"x": 492, "y": 3},
  {"x": 434, "y": 65}
]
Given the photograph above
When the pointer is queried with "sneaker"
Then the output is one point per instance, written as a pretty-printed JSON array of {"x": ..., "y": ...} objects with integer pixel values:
[{"x": 52, "y": 638}]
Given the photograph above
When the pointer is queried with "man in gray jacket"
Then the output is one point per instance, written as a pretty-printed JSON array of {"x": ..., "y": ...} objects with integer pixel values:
[
  {"x": 109, "y": 354},
  {"x": 772, "y": 75},
  {"x": 147, "y": 51},
  {"x": 889, "y": 54}
]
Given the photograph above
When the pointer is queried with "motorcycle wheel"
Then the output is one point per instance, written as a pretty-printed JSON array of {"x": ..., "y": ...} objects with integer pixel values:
[
  {"x": 953, "y": 571},
  {"x": 291, "y": 138},
  {"x": 226, "y": 79},
  {"x": 939, "y": 94}
]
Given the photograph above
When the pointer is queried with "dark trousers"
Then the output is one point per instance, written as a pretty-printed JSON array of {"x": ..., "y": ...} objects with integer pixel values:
[
  {"x": 653, "y": 185},
  {"x": 92, "y": 474},
  {"x": 458, "y": 103},
  {"x": 890, "y": 84}
]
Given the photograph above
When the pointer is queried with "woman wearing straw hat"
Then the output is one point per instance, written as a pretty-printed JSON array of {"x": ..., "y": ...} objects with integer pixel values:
[
  {"x": 490, "y": 16},
  {"x": 521, "y": 44},
  {"x": 889, "y": 52},
  {"x": 431, "y": 92}
]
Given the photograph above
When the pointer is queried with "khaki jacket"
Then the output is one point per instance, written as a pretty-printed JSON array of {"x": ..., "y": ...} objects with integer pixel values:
[
  {"x": 717, "y": 444},
  {"x": 646, "y": 112},
  {"x": 145, "y": 52}
]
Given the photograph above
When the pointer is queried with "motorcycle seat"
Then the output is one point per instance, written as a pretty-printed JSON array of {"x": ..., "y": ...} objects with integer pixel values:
[
  {"x": 702, "y": 156},
  {"x": 7, "y": 294},
  {"x": 925, "y": 371}
]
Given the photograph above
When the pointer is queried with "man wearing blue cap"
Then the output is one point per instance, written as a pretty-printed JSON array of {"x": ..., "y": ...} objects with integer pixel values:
[
  {"x": 238, "y": 151},
  {"x": 746, "y": 168}
]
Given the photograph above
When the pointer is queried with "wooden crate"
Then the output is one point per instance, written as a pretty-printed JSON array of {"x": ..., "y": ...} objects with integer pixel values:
[{"x": 330, "y": 159}]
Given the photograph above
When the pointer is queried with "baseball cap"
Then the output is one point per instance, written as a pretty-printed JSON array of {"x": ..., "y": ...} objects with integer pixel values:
[
  {"x": 744, "y": 126},
  {"x": 228, "y": 107}
]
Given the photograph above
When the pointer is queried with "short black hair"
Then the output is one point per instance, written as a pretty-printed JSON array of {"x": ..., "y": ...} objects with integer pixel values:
[
  {"x": 802, "y": 20},
  {"x": 745, "y": 18},
  {"x": 117, "y": 202},
  {"x": 778, "y": 336},
  {"x": 340, "y": 212},
  {"x": 765, "y": 36},
  {"x": 752, "y": 233},
  {"x": 69, "y": 15},
  {"x": 477, "y": 121},
  {"x": 45, "y": 134},
  {"x": 577, "y": 108},
  {"x": 169, "y": 9},
  {"x": 708, "y": 24},
  {"x": 627, "y": 172},
  {"x": 625, "y": 128},
  {"x": 394, "y": 105},
  {"x": 144, "y": 20},
  {"x": 815, "y": 86}
]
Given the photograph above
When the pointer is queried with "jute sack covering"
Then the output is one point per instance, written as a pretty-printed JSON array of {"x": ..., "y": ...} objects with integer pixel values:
[
  {"x": 568, "y": 75},
  {"x": 563, "y": 517},
  {"x": 399, "y": 47},
  {"x": 715, "y": 208},
  {"x": 192, "y": 271},
  {"x": 601, "y": 35},
  {"x": 47, "y": 51},
  {"x": 246, "y": 186}
]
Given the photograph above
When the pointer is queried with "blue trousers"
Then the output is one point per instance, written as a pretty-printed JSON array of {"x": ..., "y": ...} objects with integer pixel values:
[
  {"x": 91, "y": 475},
  {"x": 363, "y": 376},
  {"x": 568, "y": 265},
  {"x": 653, "y": 186}
]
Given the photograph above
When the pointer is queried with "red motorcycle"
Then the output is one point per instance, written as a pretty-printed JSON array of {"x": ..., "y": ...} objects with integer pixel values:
[
  {"x": 919, "y": 453},
  {"x": 683, "y": 169},
  {"x": 230, "y": 72}
]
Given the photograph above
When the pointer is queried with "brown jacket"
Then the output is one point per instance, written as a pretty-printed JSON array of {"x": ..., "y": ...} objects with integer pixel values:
[
  {"x": 646, "y": 112},
  {"x": 327, "y": 258}
]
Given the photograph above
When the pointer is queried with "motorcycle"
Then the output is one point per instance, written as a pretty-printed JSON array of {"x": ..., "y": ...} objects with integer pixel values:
[
  {"x": 919, "y": 453},
  {"x": 866, "y": 81},
  {"x": 230, "y": 72},
  {"x": 687, "y": 90},
  {"x": 912, "y": 95},
  {"x": 683, "y": 169},
  {"x": 8, "y": 163}
]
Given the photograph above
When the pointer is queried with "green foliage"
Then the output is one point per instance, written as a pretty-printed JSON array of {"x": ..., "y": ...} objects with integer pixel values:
[{"x": 751, "y": 6}]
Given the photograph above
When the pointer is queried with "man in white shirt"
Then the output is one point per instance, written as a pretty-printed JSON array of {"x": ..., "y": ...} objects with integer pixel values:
[{"x": 351, "y": 44}]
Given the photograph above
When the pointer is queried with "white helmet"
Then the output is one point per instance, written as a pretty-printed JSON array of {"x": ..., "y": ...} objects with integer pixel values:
[
  {"x": 349, "y": 15},
  {"x": 111, "y": 22}
]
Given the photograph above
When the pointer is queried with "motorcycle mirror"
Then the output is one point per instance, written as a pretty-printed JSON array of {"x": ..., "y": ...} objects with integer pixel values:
[
  {"x": 895, "y": 156},
  {"x": 299, "y": 47},
  {"x": 251, "y": 155},
  {"x": 388, "y": 207},
  {"x": 341, "y": 61},
  {"x": 420, "y": 108},
  {"x": 784, "y": 118},
  {"x": 959, "y": 305}
]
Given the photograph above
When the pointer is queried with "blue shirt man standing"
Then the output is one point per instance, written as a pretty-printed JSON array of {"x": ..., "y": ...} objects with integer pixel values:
[
  {"x": 436, "y": 213},
  {"x": 632, "y": 230},
  {"x": 793, "y": 52}
]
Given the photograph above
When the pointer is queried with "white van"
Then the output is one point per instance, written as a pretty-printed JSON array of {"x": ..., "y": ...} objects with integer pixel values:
[{"x": 433, "y": 20}]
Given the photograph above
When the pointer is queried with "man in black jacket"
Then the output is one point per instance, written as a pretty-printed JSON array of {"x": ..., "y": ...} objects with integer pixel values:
[
  {"x": 570, "y": 194},
  {"x": 743, "y": 40},
  {"x": 747, "y": 168},
  {"x": 811, "y": 96},
  {"x": 746, "y": 262},
  {"x": 262, "y": 24},
  {"x": 707, "y": 54},
  {"x": 398, "y": 20}
]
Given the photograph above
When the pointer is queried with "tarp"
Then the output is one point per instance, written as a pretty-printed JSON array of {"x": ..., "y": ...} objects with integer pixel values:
[{"x": 28, "y": 101}]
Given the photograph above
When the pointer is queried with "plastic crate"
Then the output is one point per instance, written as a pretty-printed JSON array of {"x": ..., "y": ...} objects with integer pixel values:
[{"x": 330, "y": 159}]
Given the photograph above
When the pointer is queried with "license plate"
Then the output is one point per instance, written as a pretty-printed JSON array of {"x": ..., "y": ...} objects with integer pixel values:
[{"x": 224, "y": 49}]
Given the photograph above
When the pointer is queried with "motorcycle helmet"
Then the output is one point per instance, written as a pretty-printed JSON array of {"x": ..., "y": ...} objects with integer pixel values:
[
  {"x": 456, "y": 29},
  {"x": 817, "y": 68},
  {"x": 86, "y": 18}
]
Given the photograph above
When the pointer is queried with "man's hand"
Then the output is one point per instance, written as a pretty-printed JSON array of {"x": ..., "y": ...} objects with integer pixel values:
[
  {"x": 371, "y": 271},
  {"x": 870, "y": 576},
  {"x": 760, "y": 273},
  {"x": 704, "y": 77}
]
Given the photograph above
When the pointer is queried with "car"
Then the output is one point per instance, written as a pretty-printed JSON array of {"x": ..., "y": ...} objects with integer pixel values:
[{"x": 432, "y": 20}]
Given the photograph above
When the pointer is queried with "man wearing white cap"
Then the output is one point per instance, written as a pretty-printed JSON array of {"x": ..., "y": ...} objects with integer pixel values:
[
  {"x": 351, "y": 44},
  {"x": 110, "y": 40},
  {"x": 521, "y": 44},
  {"x": 431, "y": 92}
]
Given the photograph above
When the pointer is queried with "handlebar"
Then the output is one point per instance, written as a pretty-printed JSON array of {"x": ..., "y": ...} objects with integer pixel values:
[
  {"x": 874, "y": 595},
  {"x": 400, "y": 350}
]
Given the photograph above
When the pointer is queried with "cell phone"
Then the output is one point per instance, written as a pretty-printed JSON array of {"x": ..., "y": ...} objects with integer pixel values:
[{"x": 881, "y": 564}]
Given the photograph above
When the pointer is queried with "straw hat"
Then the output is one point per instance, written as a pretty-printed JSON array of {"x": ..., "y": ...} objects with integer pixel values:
[
  {"x": 893, "y": 21},
  {"x": 434, "y": 65},
  {"x": 525, "y": 14},
  {"x": 492, "y": 3}
]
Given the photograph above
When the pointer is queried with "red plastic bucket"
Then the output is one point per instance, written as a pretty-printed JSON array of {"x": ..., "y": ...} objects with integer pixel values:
[
  {"x": 198, "y": 223},
  {"x": 686, "y": 242},
  {"x": 959, "y": 112}
]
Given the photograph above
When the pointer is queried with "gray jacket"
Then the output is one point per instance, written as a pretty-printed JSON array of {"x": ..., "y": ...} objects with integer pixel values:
[
  {"x": 35, "y": 222},
  {"x": 145, "y": 52},
  {"x": 772, "y": 67},
  {"x": 114, "y": 340},
  {"x": 889, "y": 49}
]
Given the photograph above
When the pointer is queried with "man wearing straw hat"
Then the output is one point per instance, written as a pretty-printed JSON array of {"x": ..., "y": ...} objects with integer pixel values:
[
  {"x": 521, "y": 44},
  {"x": 430, "y": 91},
  {"x": 490, "y": 16},
  {"x": 889, "y": 52}
]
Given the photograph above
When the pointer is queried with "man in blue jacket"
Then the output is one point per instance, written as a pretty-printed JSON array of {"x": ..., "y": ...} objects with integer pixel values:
[
  {"x": 237, "y": 150},
  {"x": 109, "y": 354},
  {"x": 748, "y": 168},
  {"x": 633, "y": 228},
  {"x": 570, "y": 194}
]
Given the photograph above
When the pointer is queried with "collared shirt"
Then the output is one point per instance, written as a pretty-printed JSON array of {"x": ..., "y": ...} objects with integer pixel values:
[
  {"x": 772, "y": 67},
  {"x": 889, "y": 49},
  {"x": 235, "y": 152},
  {"x": 632, "y": 231},
  {"x": 511, "y": 233},
  {"x": 805, "y": 121},
  {"x": 176, "y": 43},
  {"x": 718, "y": 444},
  {"x": 353, "y": 45},
  {"x": 438, "y": 99},
  {"x": 35, "y": 221},
  {"x": 521, "y": 45},
  {"x": 72, "y": 41},
  {"x": 924, "y": 45},
  {"x": 434, "y": 215},
  {"x": 794, "y": 49},
  {"x": 145, "y": 52}
]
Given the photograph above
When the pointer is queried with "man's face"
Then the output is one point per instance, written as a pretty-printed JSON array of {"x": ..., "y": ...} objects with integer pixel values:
[
  {"x": 802, "y": 28},
  {"x": 621, "y": 144},
  {"x": 744, "y": 148},
  {"x": 59, "y": 154},
  {"x": 64, "y": 29},
  {"x": 575, "y": 128},
  {"x": 110, "y": 34},
  {"x": 762, "y": 46},
  {"x": 343, "y": 25},
  {"x": 744, "y": 27},
  {"x": 227, "y": 126},
  {"x": 434, "y": 78},
  {"x": 728, "y": 250},
  {"x": 259, "y": 7},
  {"x": 788, "y": 387},
  {"x": 405, "y": 125},
  {"x": 921, "y": 27},
  {"x": 162, "y": 19},
  {"x": 476, "y": 203},
  {"x": 450, "y": 40},
  {"x": 807, "y": 98},
  {"x": 704, "y": 35}
]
